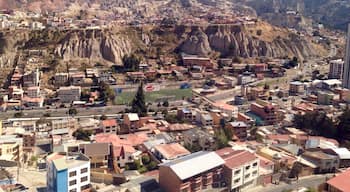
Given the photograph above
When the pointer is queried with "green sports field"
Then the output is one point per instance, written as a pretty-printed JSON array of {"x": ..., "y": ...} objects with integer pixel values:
[{"x": 165, "y": 94}]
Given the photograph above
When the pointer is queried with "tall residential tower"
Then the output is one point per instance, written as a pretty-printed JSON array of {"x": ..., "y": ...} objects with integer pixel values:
[{"x": 346, "y": 71}]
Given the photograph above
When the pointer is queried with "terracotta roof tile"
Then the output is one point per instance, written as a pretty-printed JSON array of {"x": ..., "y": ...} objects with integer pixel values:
[{"x": 341, "y": 181}]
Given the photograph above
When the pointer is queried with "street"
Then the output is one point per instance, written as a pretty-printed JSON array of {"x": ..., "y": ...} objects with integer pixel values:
[
  {"x": 312, "y": 181},
  {"x": 30, "y": 178}
]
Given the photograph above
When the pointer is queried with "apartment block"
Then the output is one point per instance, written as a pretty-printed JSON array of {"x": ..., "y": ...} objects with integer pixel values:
[
  {"x": 196, "y": 172},
  {"x": 241, "y": 169},
  {"x": 68, "y": 172},
  {"x": 69, "y": 94}
]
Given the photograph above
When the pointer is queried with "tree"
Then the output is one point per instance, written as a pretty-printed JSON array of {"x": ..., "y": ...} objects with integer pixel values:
[
  {"x": 47, "y": 115},
  {"x": 146, "y": 159},
  {"x": 294, "y": 62},
  {"x": 344, "y": 125},
  {"x": 81, "y": 134},
  {"x": 131, "y": 62},
  {"x": 266, "y": 86},
  {"x": 139, "y": 102},
  {"x": 236, "y": 59},
  {"x": 18, "y": 115},
  {"x": 72, "y": 111},
  {"x": 166, "y": 103},
  {"x": 221, "y": 139},
  {"x": 316, "y": 123},
  {"x": 103, "y": 117},
  {"x": 107, "y": 92}
]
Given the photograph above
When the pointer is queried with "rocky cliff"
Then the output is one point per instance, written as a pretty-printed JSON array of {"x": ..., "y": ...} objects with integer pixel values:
[
  {"x": 238, "y": 41},
  {"x": 109, "y": 46},
  {"x": 332, "y": 13},
  {"x": 94, "y": 45}
]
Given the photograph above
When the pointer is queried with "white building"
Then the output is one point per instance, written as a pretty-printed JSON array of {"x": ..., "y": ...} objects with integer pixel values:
[
  {"x": 68, "y": 172},
  {"x": 241, "y": 168},
  {"x": 336, "y": 69}
]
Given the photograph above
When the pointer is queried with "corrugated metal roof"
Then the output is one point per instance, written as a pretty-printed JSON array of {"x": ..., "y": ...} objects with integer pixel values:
[
  {"x": 133, "y": 117},
  {"x": 194, "y": 164}
]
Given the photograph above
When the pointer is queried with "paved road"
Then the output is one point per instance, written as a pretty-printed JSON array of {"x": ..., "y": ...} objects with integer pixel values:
[
  {"x": 62, "y": 112},
  {"x": 29, "y": 178},
  {"x": 311, "y": 181}
]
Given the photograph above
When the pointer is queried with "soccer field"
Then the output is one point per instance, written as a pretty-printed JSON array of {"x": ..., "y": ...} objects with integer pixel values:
[{"x": 156, "y": 96}]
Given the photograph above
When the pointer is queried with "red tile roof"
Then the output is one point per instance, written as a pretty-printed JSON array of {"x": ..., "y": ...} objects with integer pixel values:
[
  {"x": 341, "y": 181},
  {"x": 279, "y": 137},
  {"x": 111, "y": 138},
  {"x": 109, "y": 123},
  {"x": 172, "y": 151},
  {"x": 235, "y": 158}
]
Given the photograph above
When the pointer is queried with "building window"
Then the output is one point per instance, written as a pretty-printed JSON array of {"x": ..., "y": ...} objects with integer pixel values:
[
  {"x": 73, "y": 190},
  {"x": 73, "y": 182},
  {"x": 72, "y": 174},
  {"x": 237, "y": 180},
  {"x": 255, "y": 164},
  {"x": 84, "y": 170},
  {"x": 255, "y": 172},
  {"x": 237, "y": 172},
  {"x": 83, "y": 179},
  {"x": 84, "y": 187},
  {"x": 247, "y": 167},
  {"x": 247, "y": 176}
]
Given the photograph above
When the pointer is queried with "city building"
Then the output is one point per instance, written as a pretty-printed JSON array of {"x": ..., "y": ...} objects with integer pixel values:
[
  {"x": 339, "y": 183},
  {"x": 346, "y": 72},
  {"x": 228, "y": 109},
  {"x": 131, "y": 121},
  {"x": 63, "y": 126},
  {"x": 31, "y": 79},
  {"x": 336, "y": 69},
  {"x": 187, "y": 114},
  {"x": 325, "y": 163},
  {"x": 204, "y": 119},
  {"x": 33, "y": 92},
  {"x": 171, "y": 151},
  {"x": 296, "y": 88},
  {"x": 325, "y": 98},
  {"x": 197, "y": 138},
  {"x": 239, "y": 129},
  {"x": 61, "y": 79},
  {"x": 195, "y": 172},
  {"x": 122, "y": 150},
  {"x": 110, "y": 126},
  {"x": 241, "y": 169},
  {"x": 194, "y": 60},
  {"x": 98, "y": 153},
  {"x": 267, "y": 111},
  {"x": 69, "y": 94},
  {"x": 11, "y": 148},
  {"x": 68, "y": 172}
]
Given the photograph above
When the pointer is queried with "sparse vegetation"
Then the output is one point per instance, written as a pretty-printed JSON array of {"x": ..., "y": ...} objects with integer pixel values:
[{"x": 81, "y": 134}]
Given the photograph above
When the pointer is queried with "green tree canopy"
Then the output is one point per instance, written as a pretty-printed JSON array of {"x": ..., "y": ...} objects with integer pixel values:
[
  {"x": 131, "y": 62},
  {"x": 81, "y": 134},
  {"x": 138, "y": 104},
  {"x": 344, "y": 125},
  {"x": 316, "y": 123}
]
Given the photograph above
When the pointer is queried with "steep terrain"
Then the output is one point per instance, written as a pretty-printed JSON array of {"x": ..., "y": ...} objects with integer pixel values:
[
  {"x": 94, "y": 45},
  {"x": 109, "y": 46},
  {"x": 263, "y": 40},
  {"x": 332, "y": 13}
]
